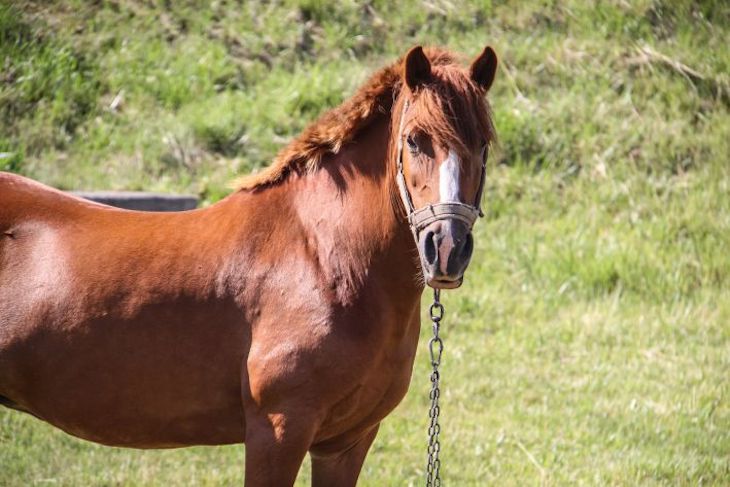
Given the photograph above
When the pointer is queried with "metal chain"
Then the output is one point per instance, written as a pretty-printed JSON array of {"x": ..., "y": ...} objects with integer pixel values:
[{"x": 435, "y": 348}]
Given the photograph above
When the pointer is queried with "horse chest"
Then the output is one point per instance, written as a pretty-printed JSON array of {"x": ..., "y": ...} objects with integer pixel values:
[{"x": 372, "y": 385}]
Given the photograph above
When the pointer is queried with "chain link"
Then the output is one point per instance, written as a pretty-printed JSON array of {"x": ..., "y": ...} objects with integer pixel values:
[{"x": 435, "y": 348}]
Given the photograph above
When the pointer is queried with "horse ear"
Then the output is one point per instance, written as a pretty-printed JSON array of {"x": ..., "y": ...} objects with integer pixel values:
[
  {"x": 417, "y": 69},
  {"x": 483, "y": 68}
]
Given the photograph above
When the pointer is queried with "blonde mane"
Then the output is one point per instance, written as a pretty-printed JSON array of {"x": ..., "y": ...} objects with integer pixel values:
[{"x": 339, "y": 125}]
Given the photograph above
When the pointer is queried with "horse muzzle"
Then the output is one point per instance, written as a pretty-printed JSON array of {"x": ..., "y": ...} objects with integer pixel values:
[{"x": 445, "y": 247}]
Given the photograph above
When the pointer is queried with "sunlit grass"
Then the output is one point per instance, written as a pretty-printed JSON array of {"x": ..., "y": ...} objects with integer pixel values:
[{"x": 590, "y": 344}]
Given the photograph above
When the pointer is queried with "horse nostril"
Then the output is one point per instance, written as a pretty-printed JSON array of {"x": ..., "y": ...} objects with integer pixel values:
[
  {"x": 468, "y": 248},
  {"x": 429, "y": 248}
]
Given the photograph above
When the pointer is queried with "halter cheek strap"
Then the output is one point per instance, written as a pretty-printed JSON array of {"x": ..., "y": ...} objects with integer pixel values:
[{"x": 423, "y": 217}]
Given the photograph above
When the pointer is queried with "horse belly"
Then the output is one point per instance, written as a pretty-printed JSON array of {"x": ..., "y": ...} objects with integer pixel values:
[{"x": 148, "y": 390}]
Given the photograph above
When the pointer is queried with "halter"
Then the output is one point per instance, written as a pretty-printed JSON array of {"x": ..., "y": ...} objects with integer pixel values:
[{"x": 432, "y": 212}]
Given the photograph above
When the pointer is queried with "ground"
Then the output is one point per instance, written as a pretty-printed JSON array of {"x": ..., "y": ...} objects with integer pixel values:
[{"x": 590, "y": 343}]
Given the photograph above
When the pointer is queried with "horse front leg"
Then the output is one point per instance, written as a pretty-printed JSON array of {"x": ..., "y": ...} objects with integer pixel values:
[
  {"x": 276, "y": 444},
  {"x": 342, "y": 469}
]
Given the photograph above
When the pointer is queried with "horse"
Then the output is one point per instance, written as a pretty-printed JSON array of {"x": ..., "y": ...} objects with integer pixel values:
[{"x": 285, "y": 316}]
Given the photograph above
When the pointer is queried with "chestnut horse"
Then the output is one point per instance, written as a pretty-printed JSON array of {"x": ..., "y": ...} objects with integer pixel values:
[{"x": 285, "y": 317}]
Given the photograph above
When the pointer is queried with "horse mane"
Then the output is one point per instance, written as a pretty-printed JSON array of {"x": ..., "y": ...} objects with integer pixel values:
[{"x": 340, "y": 125}]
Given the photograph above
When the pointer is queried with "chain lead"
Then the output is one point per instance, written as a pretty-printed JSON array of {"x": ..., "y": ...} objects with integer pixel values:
[{"x": 435, "y": 348}]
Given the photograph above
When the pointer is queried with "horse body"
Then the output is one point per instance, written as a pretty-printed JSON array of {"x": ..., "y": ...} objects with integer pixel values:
[
  {"x": 118, "y": 333},
  {"x": 285, "y": 316}
]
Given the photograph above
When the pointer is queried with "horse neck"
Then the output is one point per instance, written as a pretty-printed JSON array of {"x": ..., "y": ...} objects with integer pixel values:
[{"x": 350, "y": 219}]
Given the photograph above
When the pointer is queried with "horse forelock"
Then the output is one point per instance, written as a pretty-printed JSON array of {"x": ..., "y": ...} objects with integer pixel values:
[{"x": 451, "y": 109}]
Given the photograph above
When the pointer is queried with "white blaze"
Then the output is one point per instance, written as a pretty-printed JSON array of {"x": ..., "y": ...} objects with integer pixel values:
[{"x": 449, "y": 178}]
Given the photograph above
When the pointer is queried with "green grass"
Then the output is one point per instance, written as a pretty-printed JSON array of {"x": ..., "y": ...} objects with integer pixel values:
[{"x": 590, "y": 344}]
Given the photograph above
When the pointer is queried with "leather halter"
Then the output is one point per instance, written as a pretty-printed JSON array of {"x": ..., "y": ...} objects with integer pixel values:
[{"x": 432, "y": 212}]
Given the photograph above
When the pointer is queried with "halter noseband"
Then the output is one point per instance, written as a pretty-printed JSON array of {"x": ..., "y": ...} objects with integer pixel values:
[{"x": 432, "y": 212}]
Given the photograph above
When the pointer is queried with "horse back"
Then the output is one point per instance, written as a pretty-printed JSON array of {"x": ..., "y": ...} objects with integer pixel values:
[{"x": 31, "y": 215}]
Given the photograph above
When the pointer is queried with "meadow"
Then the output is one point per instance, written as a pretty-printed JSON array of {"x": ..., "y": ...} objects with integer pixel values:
[{"x": 590, "y": 343}]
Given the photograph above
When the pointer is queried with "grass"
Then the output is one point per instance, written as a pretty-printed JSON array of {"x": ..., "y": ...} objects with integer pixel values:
[{"x": 590, "y": 344}]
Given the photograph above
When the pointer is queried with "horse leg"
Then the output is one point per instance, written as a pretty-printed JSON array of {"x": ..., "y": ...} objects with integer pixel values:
[
  {"x": 276, "y": 444},
  {"x": 342, "y": 469}
]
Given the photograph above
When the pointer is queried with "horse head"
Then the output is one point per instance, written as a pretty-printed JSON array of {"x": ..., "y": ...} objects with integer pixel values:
[{"x": 441, "y": 143}]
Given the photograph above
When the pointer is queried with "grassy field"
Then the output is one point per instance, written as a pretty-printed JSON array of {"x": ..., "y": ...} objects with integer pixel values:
[{"x": 590, "y": 344}]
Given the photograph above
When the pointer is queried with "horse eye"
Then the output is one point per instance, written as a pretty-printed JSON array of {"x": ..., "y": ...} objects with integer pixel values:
[{"x": 412, "y": 145}]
